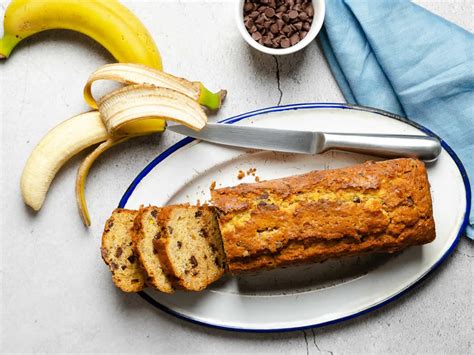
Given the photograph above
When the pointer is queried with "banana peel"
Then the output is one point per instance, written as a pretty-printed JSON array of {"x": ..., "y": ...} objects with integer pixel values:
[
  {"x": 132, "y": 74},
  {"x": 134, "y": 103},
  {"x": 83, "y": 171}
]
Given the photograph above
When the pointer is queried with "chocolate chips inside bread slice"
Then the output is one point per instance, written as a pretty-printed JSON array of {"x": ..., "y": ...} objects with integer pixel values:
[
  {"x": 146, "y": 231},
  {"x": 118, "y": 253},
  {"x": 190, "y": 245}
]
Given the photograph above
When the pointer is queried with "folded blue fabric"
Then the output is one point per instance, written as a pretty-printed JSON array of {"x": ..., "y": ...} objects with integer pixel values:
[{"x": 399, "y": 57}]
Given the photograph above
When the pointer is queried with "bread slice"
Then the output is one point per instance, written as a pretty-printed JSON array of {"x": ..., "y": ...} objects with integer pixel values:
[
  {"x": 190, "y": 246},
  {"x": 117, "y": 251},
  {"x": 145, "y": 232}
]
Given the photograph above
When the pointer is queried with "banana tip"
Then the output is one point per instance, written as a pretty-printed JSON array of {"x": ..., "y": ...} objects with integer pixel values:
[
  {"x": 222, "y": 94},
  {"x": 3, "y": 56}
]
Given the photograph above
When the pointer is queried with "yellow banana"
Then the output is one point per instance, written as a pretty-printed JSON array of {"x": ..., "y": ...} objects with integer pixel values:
[
  {"x": 106, "y": 21},
  {"x": 56, "y": 148}
]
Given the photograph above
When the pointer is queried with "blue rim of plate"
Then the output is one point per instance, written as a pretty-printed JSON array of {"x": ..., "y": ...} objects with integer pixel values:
[{"x": 234, "y": 119}]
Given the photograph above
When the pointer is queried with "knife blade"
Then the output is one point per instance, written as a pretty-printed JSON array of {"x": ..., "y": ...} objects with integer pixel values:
[{"x": 312, "y": 142}]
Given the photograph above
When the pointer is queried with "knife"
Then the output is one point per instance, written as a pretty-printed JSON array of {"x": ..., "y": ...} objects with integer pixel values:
[{"x": 311, "y": 142}]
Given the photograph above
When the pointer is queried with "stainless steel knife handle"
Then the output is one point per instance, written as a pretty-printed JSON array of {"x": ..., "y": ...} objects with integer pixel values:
[{"x": 384, "y": 145}]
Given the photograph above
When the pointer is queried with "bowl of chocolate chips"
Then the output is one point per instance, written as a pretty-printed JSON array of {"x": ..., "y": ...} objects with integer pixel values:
[{"x": 280, "y": 27}]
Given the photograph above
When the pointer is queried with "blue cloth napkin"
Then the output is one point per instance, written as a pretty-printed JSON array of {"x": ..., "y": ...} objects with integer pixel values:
[{"x": 399, "y": 57}]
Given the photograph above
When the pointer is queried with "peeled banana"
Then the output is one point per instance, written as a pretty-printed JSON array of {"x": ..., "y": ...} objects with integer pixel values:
[
  {"x": 123, "y": 113},
  {"x": 106, "y": 21},
  {"x": 56, "y": 148}
]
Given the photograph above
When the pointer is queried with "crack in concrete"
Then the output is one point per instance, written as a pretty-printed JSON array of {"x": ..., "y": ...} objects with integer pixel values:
[
  {"x": 278, "y": 79},
  {"x": 314, "y": 340},
  {"x": 306, "y": 342},
  {"x": 316, "y": 345}
]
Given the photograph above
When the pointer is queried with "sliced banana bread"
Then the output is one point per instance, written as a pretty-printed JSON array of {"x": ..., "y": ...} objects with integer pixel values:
[
  {"x": 118, "y": 254},
  {"x": 190, "y": 245},
  {"x": 145, "y": 231}
]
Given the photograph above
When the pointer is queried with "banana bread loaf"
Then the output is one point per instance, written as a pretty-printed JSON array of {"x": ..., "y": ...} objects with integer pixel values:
[{"x": 376, "y": 206}]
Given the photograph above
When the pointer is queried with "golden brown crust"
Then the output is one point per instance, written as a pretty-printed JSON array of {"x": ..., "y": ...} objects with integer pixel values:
[{"x": 377, "y": 206}]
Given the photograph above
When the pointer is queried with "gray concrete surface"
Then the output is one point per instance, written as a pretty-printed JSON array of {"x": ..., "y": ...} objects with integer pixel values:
[{"x": 56, "y": 294}]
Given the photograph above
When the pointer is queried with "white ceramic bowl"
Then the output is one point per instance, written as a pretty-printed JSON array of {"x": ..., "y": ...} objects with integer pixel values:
[{"x": 318, "y": 19}]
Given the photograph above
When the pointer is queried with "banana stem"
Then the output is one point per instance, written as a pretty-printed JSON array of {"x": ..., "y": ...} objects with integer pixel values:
[
  {"x": 209, "y": 99},
  {"x": 7, "y": 43}
]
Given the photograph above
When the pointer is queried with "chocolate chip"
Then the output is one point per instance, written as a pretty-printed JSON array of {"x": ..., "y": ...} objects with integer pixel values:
[
  {"x": 298, "y": 26},
  {"x": 256, "y": 36},
  {"x": 248, "y": 6},
  {"x": 179, "y": 244},
  {"x": 294, "y": 39},
  {"x": 280, "y": 24},
  {"x": 267, "y": 41},
  {"x": 356, "y": 199},
  {"x": 193, "y": 261},
  {"x": 248, "y": 23},
  {"x": 131, "y": 259},
  {"x": 113, "y": 266},
  {"x": 309, "y": 10},
  {"x": 203, "y": 233},
  {"x": 154, "y": 213},
  {"x": 269, "y": 12},
  {"x": 213, "y": 248},
  {"x": 110, "y": 224},
  {"x": 198, "y": 214},
  {"x": 170, "y": 230},
  {"x": 303, "y": 34},
  {"x": 293, "y": 14},
  {"x": 134, "y": 281},
  {"x": 260, "y": 20},
  {"x": 157, "y": 235},
  {"x": 285, "y": 17},
  {"x": 118, "y": 252},
  {"x": 124, "y": 267},
  {"x": 306, "y": 26},
  {"x": 303, "y": 16},
  {"x": 285, "y": 43},
  {"x": 254, "y": 15},
  {"x": 274, "y": 28},
  {"x": 216, "y": 261}
]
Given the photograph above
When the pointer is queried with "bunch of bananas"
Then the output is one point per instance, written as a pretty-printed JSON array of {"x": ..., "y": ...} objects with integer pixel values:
[{"x": 148, "y": 98}]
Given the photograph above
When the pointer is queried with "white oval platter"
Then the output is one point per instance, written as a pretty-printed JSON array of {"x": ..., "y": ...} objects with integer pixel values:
[{"x": 311, "y": 295}]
